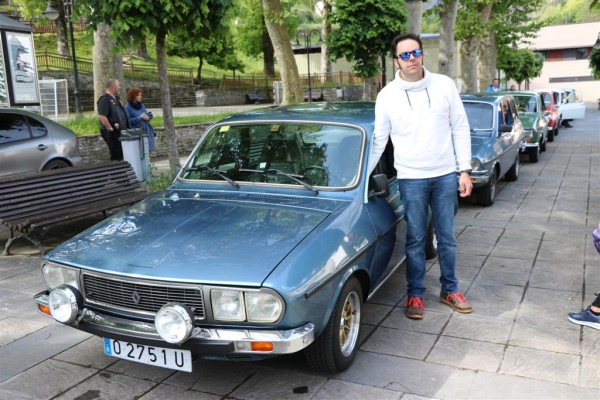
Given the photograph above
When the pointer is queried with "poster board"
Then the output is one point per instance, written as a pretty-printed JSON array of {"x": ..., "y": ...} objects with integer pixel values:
[
  {"x": 22, "y": 67},
  {"x": 4, "y": 100}
]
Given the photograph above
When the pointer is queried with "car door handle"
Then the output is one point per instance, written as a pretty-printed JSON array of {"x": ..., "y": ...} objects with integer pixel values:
[{"x": 42, "y": 147}]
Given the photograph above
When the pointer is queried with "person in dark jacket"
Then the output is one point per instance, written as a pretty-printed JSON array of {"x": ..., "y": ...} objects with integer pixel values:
[{"x": 113, "y": 118}]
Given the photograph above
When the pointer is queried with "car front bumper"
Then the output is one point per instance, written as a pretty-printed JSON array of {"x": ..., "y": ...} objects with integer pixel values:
[
  {"x": 215, "y": 342},
  {"x": 479, "y": 178}
]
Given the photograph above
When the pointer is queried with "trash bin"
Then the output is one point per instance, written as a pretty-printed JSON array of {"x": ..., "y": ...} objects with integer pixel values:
[{"x": 135, "y": 151}]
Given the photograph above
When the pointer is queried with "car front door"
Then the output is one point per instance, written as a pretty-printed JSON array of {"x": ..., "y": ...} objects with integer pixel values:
[{"x": 19, "y": 151}]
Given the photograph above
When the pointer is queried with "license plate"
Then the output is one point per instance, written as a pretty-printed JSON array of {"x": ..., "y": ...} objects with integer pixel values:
[{"x": 180, "y": 360}]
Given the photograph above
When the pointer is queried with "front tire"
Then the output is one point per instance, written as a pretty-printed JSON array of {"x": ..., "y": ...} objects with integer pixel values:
[
  {"x": 431, "y": 245},
  {"x": 335, "y": 349},
  {"x": 513, "y": 173},
  {"x": 534, "y": 154},
  {"x": 486, "y": 195}
]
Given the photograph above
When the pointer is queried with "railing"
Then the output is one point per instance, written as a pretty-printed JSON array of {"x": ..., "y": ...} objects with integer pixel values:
[
  {"x": 50, "y": 27},
  {"x": 324, "y": 79},
  {"x": 48, "y": 61}
]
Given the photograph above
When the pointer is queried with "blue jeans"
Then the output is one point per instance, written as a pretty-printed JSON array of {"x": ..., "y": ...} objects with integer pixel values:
[{"x": 441, "y": 195}]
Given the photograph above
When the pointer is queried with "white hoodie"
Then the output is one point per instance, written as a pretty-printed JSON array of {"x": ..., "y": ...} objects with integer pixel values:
[{"x": 428, "y": 126}]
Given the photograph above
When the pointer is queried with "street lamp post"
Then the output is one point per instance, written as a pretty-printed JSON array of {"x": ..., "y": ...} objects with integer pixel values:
[
  {"x": 307, "y": 46},
  {"x": 53, "y": 14}
]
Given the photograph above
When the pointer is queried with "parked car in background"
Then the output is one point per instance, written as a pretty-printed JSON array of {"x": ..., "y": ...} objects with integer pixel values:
[
  {"x": 496, "y": 134},
  {"x": 554, "y": 112},
  {"x": 534, "y": 117},
  {"x": 572, "y": 108},
  {"x": 31, "y": 143},
  {"x": 268, "y": 242}
]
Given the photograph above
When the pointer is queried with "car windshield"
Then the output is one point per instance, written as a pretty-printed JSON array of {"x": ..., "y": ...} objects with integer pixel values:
[
  {"x": 526, "y": 104},
  {"x": 480, "y": 116},
  {"x": 307, "y": 154}
]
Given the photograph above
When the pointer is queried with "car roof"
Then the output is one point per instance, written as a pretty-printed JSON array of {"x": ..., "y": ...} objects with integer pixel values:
[
  {"x": 493, "y": 97},
  {"x": 354, "y": 113}
]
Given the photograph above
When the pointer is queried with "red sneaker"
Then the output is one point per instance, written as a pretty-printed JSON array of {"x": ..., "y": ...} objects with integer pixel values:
[
  {"x": 457, "y": 301},
  {"x": 414, "y": 307}
]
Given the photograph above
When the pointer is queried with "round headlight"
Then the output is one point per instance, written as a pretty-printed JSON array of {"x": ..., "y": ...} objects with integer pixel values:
[
  {"x": 64, "y": 303},
  {"x": 174, "y": 323}
]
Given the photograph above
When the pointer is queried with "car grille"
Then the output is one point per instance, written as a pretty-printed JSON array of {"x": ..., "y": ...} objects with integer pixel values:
[{"x": 139, "y": 296}]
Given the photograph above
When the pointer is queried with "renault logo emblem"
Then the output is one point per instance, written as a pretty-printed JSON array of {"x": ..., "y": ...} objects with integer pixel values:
[{"x": 136, "y": 297}]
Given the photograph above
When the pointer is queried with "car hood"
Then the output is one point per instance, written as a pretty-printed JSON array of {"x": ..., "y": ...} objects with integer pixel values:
[
  {"x": 197, "y": 238},
  {"x": 478, "y": 140}
]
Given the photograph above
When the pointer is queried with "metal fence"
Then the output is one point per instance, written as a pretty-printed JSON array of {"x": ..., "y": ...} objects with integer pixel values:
[
  {"x": 49, "y": 61},
  {"x": 262, "y": 82}
]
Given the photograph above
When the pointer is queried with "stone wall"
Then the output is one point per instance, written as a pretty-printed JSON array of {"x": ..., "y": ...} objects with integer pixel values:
[{"x": 94, "y": 150}]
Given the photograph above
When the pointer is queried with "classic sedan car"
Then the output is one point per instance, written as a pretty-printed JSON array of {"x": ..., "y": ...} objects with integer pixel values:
[
  {"x": 496, "y": 134},
  {"x": 534, "y": 117},
  {"x": 268, "y": 242},
  {"x": 31, "y": 143},
  {"x": 553, "y": 107}
]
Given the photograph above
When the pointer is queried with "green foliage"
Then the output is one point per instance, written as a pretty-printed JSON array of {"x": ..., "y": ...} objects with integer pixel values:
[
  {"x": 364, "y": 31},
  {"x": 212, "y": 43},
  {"x": 156, "y": 183},
  {"x": 595, "y": 63},
  {"x": 520, "y": 64},
  {"x": 138, "y": 18},
  {"x": 251, "y": 28},
  {"x": 570, "y": 11},
  {"x": 88, "y": 124}
]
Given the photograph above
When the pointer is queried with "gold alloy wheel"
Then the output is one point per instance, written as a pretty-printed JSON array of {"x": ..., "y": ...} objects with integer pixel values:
[{"x": 349, "y": 323}]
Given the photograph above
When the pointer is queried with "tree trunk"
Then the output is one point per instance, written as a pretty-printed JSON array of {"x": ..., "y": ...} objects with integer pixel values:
[
  {"x": 290, "y": 79},
  {"x": 268, "y": 54},
  {"x": 370, "y": 89},
  {"x": 487, "y": 61},
  {"x": 415, "y": 13},
  {"x": 106, "y": 65},
  {"x": 470, "y": 51},
  {"x": 326, "y": 64},
  {"x": 62, "y": 40},
  {"x": 446, "y": 59},
  {"x": 142, "y": 50},
  {"x": 165, "y": 97},
  {"x": 199, "y": 72}
]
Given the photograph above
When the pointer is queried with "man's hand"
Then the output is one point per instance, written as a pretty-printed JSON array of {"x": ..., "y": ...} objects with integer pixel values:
[{"x": 465, "y": 186}]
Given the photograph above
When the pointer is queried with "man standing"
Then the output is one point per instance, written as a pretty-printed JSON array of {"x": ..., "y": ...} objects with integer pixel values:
[
  {"x": 423, "y": 115},
  {"x": 113, "y": 118},
  {"x": 494, "y": 87}
]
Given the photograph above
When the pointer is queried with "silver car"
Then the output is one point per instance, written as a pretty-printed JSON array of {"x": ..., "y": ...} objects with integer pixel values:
[{"x": 31, "y": 143}]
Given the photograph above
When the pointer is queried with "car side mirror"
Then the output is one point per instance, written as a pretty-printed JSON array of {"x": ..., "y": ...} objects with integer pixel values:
[
  {"x": 380, "y": 185},
  {"x": 505, "y": 128}
]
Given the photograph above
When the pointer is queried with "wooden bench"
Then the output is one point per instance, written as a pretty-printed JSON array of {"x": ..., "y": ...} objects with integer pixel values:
[
  {"x": 255, "y": 97},
  {"x": 314, "y": 97},
  {"x": 31, "y": 202}
]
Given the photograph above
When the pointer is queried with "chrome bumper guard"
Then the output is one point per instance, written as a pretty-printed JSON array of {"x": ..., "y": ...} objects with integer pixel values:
[{"x": 284, "y": 342}]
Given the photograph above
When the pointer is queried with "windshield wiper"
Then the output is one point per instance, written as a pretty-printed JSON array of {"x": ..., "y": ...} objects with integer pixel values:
[
  {"x": 296, "y": 178},
  {"x": 204, "y": 168}
]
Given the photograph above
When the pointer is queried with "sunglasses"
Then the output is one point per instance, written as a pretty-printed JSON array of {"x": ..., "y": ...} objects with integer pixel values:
[{"x": 405, "y": 55}]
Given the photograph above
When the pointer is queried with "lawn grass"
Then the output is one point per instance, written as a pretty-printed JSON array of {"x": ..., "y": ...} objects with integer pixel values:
[{"x": 86, "y": 125}]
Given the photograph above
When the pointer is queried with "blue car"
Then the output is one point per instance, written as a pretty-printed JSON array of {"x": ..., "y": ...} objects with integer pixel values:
[
  {"x": 268, "y": 242},
  {"x": 496, "y": 134}
]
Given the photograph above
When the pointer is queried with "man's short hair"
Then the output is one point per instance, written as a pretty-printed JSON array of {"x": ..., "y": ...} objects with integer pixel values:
[
  {"x": 402, "y": 37},
  {"x": 110, "y": 83}
]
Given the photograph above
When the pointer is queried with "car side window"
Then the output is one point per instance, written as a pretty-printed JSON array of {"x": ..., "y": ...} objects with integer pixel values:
[
  {"x": 13, "y": 127},
  {"x": 37, "y": 128}
]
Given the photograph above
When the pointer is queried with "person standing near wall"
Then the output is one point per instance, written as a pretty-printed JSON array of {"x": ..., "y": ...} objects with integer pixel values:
[
  {"x": 113, "y": 118},
  {"x": 139, "y": 116}
]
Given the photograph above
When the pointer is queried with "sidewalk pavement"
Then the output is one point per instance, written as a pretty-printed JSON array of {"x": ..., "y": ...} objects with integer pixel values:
[{"x": 523, "y": 263}]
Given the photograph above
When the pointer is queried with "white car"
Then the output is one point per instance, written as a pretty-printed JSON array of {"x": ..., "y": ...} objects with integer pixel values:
[{"x": 571, "y": 107}]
